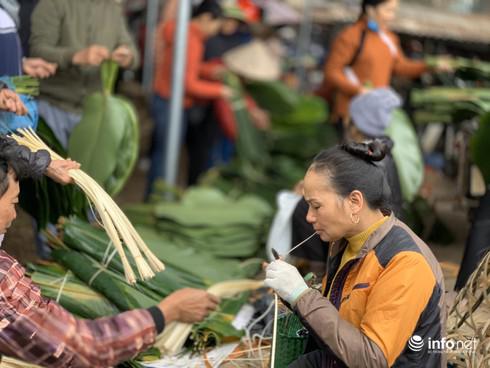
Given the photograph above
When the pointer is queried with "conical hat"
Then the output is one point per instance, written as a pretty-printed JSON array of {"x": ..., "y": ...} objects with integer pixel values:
[{"x": 254, "y": 61}]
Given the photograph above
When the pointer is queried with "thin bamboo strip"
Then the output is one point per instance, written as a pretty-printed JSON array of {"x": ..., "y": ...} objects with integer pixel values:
[
  {"x": 469, "y": 318},
  {"x": 115, "y": 222}
]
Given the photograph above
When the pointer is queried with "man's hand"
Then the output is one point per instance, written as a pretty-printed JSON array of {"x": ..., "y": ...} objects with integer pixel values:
[
  {"x": 123, "y": 56},
  {"x": 58, "y": 170},
  {"x": 38, "y": 68},
  {"x": 188, "y": 305},
  {"x": 286, "y": 280},
  {"x": 93, "y": 55},
  {"x": 10, "y": 101}
]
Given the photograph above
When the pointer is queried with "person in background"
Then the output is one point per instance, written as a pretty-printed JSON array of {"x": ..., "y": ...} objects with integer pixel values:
[
  {"x": 206, "y": 143},
  {"x": 39, "y": 331},
  {"x": 77, "y": 35},
  {"x": 12, "y": 62},
  {"x": 199, "y": 83},
  {"x": 366, "y": 55},
  {"x": 382, "y": 286}
]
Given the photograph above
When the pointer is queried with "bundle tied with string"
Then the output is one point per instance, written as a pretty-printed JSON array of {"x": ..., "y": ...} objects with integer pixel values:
[{"x": 113, "y": 220}]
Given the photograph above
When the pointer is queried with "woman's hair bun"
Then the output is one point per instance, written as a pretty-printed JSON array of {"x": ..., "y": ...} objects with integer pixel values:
[{"x": 370, "y": 151}]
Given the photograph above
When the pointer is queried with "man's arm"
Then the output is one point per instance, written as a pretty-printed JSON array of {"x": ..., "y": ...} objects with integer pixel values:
[
  {"x": 40, "y": 331},
  {"x": 46, "y": 28}
]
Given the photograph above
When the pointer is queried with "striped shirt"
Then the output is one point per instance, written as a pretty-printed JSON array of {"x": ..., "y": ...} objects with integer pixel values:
[{"x": 40, "y": 331}]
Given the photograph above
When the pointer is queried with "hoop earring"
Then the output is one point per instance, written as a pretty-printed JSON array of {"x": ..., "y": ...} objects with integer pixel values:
[{"x": 356, "y": 220}]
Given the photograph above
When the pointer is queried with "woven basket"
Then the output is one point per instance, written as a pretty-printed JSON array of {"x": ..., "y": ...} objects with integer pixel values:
[{"x": 291, "y": 340}]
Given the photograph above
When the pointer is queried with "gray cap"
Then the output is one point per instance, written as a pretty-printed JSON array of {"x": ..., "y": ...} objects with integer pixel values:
[{"x": 371, "y": 112}]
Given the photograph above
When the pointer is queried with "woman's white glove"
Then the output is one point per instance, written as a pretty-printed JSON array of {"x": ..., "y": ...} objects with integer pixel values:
[{"x": 285, "y": 280}]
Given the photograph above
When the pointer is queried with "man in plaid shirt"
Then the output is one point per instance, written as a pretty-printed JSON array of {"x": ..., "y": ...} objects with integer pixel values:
[{"x": 40, "y": 331}]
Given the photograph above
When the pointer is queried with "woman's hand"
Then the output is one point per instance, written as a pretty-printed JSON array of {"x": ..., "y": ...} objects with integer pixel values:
[
  {"x": 10, "y": 101},
  {"x": 188, "y": 305},
  {"x": 93, "y": 55},
  {"x": 444, "y": 65},
  {"x": 38, "y": 68},
  {"x": 286, "y": 281},
  {"x": 123, "y": 56},
  {"x": 58, "y": 170}
]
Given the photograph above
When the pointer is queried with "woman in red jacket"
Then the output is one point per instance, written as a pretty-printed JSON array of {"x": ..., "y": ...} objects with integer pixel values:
[{"x": 198, "y": 84}]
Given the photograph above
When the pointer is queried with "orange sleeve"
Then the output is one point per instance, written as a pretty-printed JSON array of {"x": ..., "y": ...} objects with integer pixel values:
[
  {"x": 340, "y": 56},
  {"x": 208, "y": 69},
  {"x": 406, "y": 67},
  {"x": 194, "y": 85},
  {"x": 396, "y": 302}
]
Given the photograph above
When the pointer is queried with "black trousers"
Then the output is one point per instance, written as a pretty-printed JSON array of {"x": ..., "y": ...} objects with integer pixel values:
[{"x": 202, "y": 133}]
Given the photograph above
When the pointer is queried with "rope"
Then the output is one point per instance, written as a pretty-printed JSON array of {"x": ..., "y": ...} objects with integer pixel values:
[
  {"x": 106, "y": 260},
  {"x": 61, "y": 287}
]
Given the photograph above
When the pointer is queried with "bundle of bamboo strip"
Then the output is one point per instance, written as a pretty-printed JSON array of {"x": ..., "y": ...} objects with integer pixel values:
[
  {"x": 469, "y": 320},
  {"x": 7, "y": 362},
  {"x": 172, "y": 339},
  {"x": 114, "y": 221}
]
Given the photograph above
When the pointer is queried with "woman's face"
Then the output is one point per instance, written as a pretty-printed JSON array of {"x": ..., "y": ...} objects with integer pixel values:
[
  {"x": 329, "y": 213},
  {"x": 384, "y": 13}
]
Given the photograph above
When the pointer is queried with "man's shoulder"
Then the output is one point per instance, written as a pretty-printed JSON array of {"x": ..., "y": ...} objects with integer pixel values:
[{"x": 9, "y": 264}]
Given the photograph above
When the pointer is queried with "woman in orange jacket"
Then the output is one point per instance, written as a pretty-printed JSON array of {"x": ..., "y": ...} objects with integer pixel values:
[
  {"x": 382, "y": 302},
  {"x": 366, "y": 55}
]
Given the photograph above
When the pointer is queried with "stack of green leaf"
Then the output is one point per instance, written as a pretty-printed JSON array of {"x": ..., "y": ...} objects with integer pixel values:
[
  {"x": 208, "y": 221},
  {"x": 60, "y": 284},
  {"x": 186, "y": 266},
  {"x": 106, "y": 140},
  {"x": 84, "y": 251},
  {"x": 449, "y": 104},
  {"x": 466, "y": 69}
]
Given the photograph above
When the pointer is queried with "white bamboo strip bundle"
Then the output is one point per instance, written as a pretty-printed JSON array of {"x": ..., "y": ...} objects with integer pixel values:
[{"x": 116, "y": 224}]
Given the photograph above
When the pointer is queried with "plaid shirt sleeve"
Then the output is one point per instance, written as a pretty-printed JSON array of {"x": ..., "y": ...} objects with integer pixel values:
[{"x": 40, "y": 331}]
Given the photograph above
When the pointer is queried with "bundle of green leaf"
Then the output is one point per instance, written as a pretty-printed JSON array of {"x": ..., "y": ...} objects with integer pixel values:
[
  {"x": 449, "y": 104},
  {"x": 110, "y": 284},
  {"x": 26, "y": 85},
  {"x": 185, "y": 265},
  {"x": 105, "y": 141},
  {"x": 126, "y": 297},
  {"x": 217, "y": 328},
  {"x": 209, "y": 221},
  {"x": 59, "y": 284}
]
